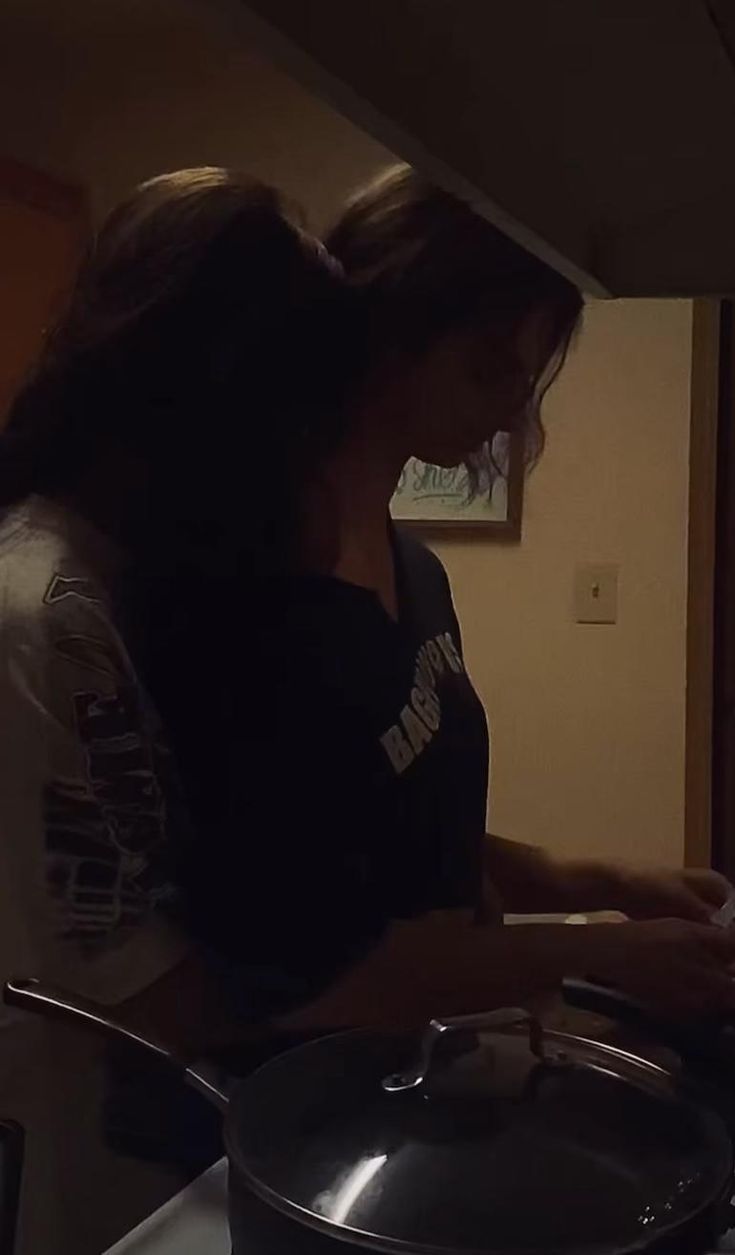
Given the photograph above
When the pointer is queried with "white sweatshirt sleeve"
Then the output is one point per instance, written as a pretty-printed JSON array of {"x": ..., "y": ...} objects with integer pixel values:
[{"x": 87, "y": 789}]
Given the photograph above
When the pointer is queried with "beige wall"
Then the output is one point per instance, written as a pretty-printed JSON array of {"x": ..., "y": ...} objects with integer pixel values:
[
  {"x": 111, "y": 93},
  {"x": 588, "y": 721}
]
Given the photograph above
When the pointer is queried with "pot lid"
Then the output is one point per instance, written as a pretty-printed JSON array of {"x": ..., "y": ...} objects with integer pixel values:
[{"x": 488, "y": 1136}]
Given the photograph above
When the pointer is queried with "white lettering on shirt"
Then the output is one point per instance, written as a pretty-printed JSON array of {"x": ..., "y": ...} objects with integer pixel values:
[
  {"x": 397, "y": 748},
  {"x": 415, "y": 728},
  {"x": 420, "y": 718},
  {"x": 450, "y": 651},
  {"x": 426, "y": 705}
]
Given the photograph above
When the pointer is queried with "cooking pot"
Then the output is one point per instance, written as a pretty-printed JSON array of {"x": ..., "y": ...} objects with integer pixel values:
[{"x": 487, "y": 1134}]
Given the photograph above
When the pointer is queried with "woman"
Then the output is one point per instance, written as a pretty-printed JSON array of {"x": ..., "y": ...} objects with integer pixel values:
[{"x": 202, "y": 467}]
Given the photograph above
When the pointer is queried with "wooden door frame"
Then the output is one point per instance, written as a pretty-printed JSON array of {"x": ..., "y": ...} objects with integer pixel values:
[
  {"x": 61, "y": 203},
  {"x": 702, "y": 544}
]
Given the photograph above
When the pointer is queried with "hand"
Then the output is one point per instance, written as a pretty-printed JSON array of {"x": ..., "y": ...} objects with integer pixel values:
[
  {"x": 673, "y": 966},
  {"x": 532, "y": 880},
  {"x": 693, "y": 894}
]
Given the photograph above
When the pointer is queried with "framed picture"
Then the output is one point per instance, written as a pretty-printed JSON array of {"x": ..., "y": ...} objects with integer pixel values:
[{"x": 435, "y": 498}]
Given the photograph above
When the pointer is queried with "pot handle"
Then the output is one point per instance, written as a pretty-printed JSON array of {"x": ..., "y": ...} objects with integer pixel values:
[
  {"x": 507, "y": 1018},
  {"x": 57, "y": 1004},
  {"x": 690, "y": 1039}
]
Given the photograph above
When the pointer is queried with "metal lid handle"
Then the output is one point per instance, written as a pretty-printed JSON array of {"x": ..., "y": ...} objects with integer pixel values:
[{"x": 506, "y": 1018}]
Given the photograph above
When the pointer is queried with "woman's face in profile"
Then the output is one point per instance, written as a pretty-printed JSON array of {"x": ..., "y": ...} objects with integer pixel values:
[{"x": 469, "y": 386}]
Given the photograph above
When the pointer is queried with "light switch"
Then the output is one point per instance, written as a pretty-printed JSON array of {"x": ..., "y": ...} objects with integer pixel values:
[{"x": 596, "y": 593}]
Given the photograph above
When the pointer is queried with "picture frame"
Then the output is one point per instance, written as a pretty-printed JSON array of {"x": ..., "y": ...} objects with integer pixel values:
[{"x": 437, "y": 499}]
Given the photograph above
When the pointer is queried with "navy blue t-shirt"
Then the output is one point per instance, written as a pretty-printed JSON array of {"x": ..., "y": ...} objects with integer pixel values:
[{"x": 336, "y": 766}]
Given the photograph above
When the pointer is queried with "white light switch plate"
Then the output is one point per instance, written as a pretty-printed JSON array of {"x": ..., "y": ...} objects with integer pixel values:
[{"x": 596, "y": 593}]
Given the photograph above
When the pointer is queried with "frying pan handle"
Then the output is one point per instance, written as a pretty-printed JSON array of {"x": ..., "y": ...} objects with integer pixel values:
[
  {"x": 690, "y": 1039},
  {"x": 585, "y": 995},
  {"x": 57, "y": 1004}
]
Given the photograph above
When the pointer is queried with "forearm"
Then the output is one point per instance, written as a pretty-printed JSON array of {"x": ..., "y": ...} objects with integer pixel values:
[
  {"x": 445, "y": 965},
  {"x": 528, "y": 879}
]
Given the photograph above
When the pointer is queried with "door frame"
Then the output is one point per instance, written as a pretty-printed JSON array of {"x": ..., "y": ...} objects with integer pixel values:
[
  {"x": 66, "y": 203},
  {"x": 44, "y": 191},
  {"x": 702, "y": 545}
]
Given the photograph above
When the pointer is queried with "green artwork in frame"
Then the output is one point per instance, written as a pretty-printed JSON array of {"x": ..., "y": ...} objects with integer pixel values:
[{"x": 436, "y": 497}]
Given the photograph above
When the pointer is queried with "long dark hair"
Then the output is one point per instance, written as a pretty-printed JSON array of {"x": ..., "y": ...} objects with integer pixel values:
[
  {"x": 212, "y": 346},
  {"x": 195, "y": 351},
  {"x": 424, "y": 265}
]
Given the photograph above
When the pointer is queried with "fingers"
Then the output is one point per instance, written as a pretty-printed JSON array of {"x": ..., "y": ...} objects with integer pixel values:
[
  {"x": 697, "y": 987},
  {"x": 719, "y": 942},
  {"x": 691, "y": 907},
  {"x": 710, "y": 991},
  {"x": 700, "y": 1000},
  {"x": 687, "y": 905},
  {"x": 711, "y": 887},
  {"x": 675, "y": 966}
]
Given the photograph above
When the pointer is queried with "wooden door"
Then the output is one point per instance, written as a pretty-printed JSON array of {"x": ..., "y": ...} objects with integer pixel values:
[{"x": 43, "y": 226}]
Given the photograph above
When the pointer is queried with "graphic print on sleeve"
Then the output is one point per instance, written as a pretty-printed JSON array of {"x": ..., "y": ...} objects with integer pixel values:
[{"x": 105, "y": 815}]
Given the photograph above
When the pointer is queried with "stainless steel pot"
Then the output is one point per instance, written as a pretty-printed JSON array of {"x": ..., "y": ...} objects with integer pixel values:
[{"x": 489, "y": 1135}]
